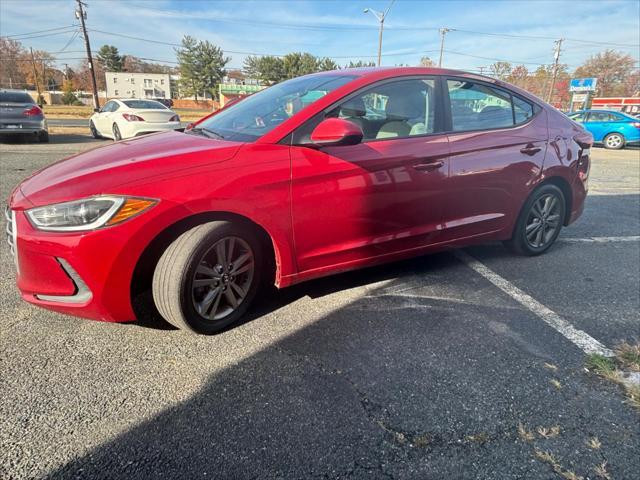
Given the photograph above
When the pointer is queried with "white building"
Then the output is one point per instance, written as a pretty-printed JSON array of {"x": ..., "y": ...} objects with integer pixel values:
[{"x": 138, "y": 85}]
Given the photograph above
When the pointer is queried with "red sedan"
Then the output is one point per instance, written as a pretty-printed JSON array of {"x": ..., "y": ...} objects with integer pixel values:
[{"x": 316, "y": 175}]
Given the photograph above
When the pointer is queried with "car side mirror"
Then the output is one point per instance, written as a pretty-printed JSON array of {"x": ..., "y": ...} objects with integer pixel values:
[
  {"x": 332, "y": 132},
  {"x": 97, "y": 110}
]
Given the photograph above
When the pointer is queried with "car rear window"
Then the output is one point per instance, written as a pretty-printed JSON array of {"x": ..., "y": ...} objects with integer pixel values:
[
  {"x": 146, "y": 104},
  {"x": 15, "y": 97}
]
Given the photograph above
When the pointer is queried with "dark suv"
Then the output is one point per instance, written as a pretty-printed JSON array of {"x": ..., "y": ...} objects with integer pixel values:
[{"x": 21, "y": 115}]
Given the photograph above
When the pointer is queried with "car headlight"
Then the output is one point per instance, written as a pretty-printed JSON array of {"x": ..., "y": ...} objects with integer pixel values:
[{"x": 88, "y": 213}]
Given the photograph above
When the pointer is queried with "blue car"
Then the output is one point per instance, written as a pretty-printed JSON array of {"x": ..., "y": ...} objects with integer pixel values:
[{"x": 613, "y": 129}]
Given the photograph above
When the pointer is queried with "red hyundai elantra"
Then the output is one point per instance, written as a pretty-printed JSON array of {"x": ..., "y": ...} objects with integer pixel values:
[{"x": 316, "y": 175}]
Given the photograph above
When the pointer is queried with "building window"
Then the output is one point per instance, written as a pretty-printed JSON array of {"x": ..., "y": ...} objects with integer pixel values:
[
  {"x": 115, "y": 79},
  {"x": 162, "y": 81},
  {"x": 115, "y": 92},
  {"x": 133, "y": 80},
  {"x": 148, "y": 82}
]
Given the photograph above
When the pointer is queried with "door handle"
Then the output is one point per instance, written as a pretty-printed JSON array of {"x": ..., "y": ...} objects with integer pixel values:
[
  {"x": 530, "y": 150},
  {"x": 428, "y": 167}
]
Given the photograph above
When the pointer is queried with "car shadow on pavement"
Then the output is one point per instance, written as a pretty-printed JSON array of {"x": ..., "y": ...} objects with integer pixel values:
[
  {"x": 54, "y": 138},
  {"x": 407, "y": 380}
]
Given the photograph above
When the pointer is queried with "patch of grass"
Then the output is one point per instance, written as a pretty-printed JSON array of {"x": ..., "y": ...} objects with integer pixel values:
[
  {"x": 569, "y": 475},
  {"x": 549, "y": 458},
  {"x": 629, "y": 356},
  {"x": 556, "y": 383},
  {"x": 601, "y": 471},
  {"x": 549, "y": 432},
  {"x": 421, "y": 441},
  {"x": 546, "y": 457},
  {"x": 525, "y": 434},
  {"x": 551, "y": 366},
  {"x": 593, "y": 443},
  {"x": 477, "y": 438},
  {"x": 627, "y": 359}
]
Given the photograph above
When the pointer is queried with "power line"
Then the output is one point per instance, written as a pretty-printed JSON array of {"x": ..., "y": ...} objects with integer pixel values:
[
  {"x": 38, "y": 31},
  {"x": 44, "y": 35}
]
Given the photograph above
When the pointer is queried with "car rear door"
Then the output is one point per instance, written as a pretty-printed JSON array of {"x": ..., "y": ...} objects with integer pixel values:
[
  {"x": 104, "y": 118},
  {"x": 498, "y": 143},
  {"x": 382, "y": 196}
]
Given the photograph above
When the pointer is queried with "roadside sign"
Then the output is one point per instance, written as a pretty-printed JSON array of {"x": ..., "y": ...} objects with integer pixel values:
[
  {"x": 583, "y": 84},
  {"x": 580, "y": 97}
]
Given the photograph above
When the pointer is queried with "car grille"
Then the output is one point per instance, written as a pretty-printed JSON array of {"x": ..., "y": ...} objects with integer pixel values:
[{"x": 12, "y": 233}]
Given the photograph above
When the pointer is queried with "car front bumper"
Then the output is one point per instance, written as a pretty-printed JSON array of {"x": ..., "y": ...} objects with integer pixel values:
[{"x": 85, "y": 274}]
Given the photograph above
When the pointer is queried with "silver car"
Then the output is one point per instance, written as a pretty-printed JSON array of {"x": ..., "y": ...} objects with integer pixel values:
[{"x": 20, "y": 115}]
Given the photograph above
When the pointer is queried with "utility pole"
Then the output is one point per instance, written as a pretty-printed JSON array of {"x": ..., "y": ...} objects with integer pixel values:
[
  {"x": 35, "y": 75},
  {"x": 443, "y": 32},
  {"x": 381, "y": 16},
  {"x": 482, "y": 67},
  {"x": 81, "y": 15},
  {"x": 558, "y": 44}
]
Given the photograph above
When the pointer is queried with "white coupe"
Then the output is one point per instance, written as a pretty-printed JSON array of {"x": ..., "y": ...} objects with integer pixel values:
[{"x": 128, "y": 118}]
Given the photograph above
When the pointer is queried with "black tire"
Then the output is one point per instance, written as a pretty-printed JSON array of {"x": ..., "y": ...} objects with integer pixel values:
[
  {"x": 174, "y": 292},
  {"x": 43, "y": 137},
  {"x": 519, "y": 242},
  {"x": 614, "y": 141},
  {"x": 116, "y": 132},
  {"x": 94, "y": 130}
]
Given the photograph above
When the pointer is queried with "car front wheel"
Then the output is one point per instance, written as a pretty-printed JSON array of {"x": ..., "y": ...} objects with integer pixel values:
[
  {"x": 539, "y": 222},
  {"x": 613, "y": 141},
  {"x": 94, "y": 130},
  {"x": 208, "y": 277}
]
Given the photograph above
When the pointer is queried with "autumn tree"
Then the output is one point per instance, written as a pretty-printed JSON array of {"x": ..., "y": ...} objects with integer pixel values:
[
  {"x": 426, "y": 62},
  {"x": 519, "y": 76},
  {"x": 12, "y": 56},
  {"x": 500, "y": 70},
  {"x": 615, "y": 73}
]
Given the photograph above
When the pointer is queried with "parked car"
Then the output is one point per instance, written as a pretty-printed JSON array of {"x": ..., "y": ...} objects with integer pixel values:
[
  {"x": 613, "y": 129},
  {"x": 21, "y": 115},
  {"x": 270, "y": 190},
  {"x": 132, "y": 117},
  {"x": 167, "y": 102}
]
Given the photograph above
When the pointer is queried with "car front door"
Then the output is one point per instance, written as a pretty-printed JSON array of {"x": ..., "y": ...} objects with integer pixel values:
[
  {"x": 599, "y": 124},
  {"x": 353, "y": 203},
  {"x": 103, "y": 121},
  {"x": 498, "y": 143}
]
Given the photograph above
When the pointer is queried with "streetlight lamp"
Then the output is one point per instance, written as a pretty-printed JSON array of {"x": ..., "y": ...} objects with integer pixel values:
[{"x": 381, "y": 17}]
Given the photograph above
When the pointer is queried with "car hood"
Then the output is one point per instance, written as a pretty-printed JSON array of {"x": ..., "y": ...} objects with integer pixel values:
[{"x": 106, "y": 169}]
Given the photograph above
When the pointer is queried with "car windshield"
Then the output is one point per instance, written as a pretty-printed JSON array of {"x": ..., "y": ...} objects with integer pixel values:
[
  {"x": 144, "y": 104},
  {"x": 253, "y": 117},
  {"x": 15, "y": 97}
]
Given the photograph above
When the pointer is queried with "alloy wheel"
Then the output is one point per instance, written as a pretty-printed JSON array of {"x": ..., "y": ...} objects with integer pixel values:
[
  {"x": 543, "y": 221},
  {"x": 613, "y": 141},
  {"x": 222, "y": 278}
]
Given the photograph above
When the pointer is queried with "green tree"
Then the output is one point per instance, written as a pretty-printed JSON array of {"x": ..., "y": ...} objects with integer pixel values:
[
  {"x": 201, "y": 66},
  {"x": 110, "y": 58},
  {"x": 267, "y": 69},
  {"x": 359, "y": 64},
  {"x": 297, "y": 64},
  {"x": 68, "y": 97},
  {"x": 326, "y": 64},
  {"x": 613, "y": 71}
]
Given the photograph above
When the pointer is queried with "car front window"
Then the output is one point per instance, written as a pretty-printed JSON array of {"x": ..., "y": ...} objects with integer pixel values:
[{"x": 263, "y": 111}]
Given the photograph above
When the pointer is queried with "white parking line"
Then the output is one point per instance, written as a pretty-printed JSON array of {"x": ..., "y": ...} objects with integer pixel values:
[
  {"x": 629, "y": 238},
  {"x": 582, "y": 340}
]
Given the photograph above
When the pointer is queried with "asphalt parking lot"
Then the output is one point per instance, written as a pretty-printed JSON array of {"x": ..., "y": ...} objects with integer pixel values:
[{"x": 418, "y": 369}]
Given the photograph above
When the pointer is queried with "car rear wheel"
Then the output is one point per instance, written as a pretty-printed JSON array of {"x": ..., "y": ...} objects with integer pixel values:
[
  {"x": 43, "y": 137},
  {"x": 208, "y": 277},
  {"x": 539, "y": 222},
  {"x": 613, "y": 141},
  {"x": 94, "y": 130},
  {"x": 116, "y": 132}
]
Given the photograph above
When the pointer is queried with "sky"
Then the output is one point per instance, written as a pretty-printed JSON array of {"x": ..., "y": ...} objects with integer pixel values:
[{"x": 336, "y": 28}]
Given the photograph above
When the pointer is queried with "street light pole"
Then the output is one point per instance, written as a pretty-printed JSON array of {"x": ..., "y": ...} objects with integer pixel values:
[
  {"x": 381, "y": 17},
  {"x": 443, "y": 32}
]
